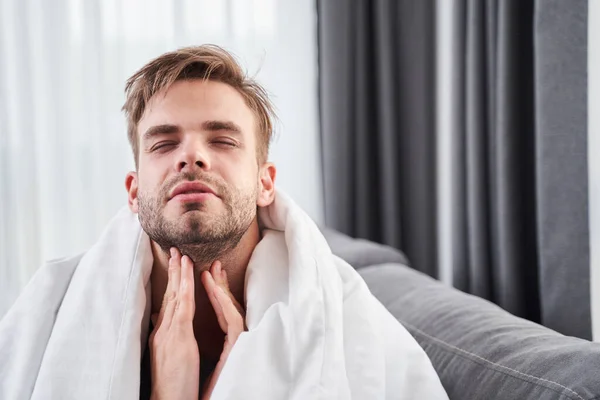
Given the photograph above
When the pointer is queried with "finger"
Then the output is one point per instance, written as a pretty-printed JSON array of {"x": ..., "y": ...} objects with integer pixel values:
[
  {"x": 228, "y": 292},
  {"x": 168, "y": 296},
  {"x": 186, "y": 305},
  {"x": 174, "y": 282},
  {"x": 220, "y": 278},
  {"x": 210, "y": 285},
  {"x": 211, "y": 382},
  {"x": 176, "y": 257},
  {"x": 214, "y": 376},
  {"x": 234, "y": 320},
  {"x": 218, "y": 274},
  {"x": 234, "y": 328}
]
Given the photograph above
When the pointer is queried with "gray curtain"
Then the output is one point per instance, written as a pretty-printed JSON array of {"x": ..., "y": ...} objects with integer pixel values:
[
  {"x": 376, "y": 62},
  {"x": 519, "y": 231}
]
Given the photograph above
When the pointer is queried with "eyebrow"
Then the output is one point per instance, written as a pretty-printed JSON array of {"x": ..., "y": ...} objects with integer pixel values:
[
  {"x": 212, "y": 126},
  {"x": 221, "y": 126},
  {"x": 160, "y": 130}
]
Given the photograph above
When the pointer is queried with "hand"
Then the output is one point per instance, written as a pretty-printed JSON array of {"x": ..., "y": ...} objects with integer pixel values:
[
  {"x": 174, "y": 354},
  {"x": 230, "y": 315}
]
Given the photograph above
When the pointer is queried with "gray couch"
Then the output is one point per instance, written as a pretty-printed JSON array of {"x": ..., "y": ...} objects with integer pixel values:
[{"x": 479, "y": 350}]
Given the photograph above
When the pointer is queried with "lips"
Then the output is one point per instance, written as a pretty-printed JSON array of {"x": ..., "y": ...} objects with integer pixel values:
[{"x": 190, "y": 188}]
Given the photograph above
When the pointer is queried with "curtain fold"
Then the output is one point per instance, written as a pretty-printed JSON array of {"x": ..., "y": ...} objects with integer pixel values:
[
  {"x": 369, "y": 170},
  {"x": 456, "y": 131},
  {"x": 561, "y": 93},
  {"x": 499, "y": 142}
]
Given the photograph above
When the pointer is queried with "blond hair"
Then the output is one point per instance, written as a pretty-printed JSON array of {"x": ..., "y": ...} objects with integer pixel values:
[{"x": 208, "y": 62}]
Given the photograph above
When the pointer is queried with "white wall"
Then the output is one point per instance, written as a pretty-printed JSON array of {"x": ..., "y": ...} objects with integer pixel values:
[{"x": 593, "y": 158}]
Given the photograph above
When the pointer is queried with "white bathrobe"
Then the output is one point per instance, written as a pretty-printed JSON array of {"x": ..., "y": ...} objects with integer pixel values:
[{"x": 314, "y": 330}]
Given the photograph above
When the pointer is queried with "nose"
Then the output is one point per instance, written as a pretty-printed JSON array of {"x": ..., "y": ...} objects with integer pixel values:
[{"x": 192, "y": 155}]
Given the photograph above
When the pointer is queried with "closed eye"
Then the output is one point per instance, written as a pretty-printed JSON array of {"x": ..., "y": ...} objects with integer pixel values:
[
  {"x": 163, "y": 146},
  {"x": 225, "y": 143}
]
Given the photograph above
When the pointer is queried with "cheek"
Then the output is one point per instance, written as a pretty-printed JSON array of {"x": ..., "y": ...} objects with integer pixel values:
[
  {"x": 244, "y": 178},
  {"x": 150, "y": 182},
  {"x": 235, "y": 170}
]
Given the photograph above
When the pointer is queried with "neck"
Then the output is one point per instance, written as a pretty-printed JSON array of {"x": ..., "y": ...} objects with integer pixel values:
[{"x": 209, "y": 335}]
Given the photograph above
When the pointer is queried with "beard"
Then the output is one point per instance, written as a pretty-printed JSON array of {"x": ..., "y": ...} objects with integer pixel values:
[{"x": 201, "y": 235}]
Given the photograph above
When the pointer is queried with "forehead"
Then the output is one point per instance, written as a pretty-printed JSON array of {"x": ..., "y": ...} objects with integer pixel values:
[{"x": 189, "y": 103}]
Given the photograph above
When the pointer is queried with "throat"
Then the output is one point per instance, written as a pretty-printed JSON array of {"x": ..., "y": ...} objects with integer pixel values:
[{"x": 208, "y": 333}]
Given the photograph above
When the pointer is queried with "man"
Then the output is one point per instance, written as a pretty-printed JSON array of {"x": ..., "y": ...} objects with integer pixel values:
[
  {"x": 201, "y": 155},
  {"x": 221, "y": 285}
]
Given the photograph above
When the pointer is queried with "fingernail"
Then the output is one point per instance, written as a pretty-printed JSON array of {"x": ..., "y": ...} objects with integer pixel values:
[{"x": 172, "y": 251}]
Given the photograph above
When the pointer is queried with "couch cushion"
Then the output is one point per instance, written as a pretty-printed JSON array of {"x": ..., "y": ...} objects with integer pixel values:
[
  {"x": 359, "y": 252},
  {"x": 481, "y": 351}
]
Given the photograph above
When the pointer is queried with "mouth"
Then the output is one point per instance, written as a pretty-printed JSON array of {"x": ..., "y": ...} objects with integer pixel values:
[{"x": 192, "y": 191}]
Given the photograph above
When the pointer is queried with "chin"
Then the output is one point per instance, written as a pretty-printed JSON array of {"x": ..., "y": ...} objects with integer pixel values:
[{"x": 197, "y": 216}]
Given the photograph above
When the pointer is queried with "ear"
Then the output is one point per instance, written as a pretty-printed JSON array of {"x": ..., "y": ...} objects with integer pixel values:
[
  {"x": 266, "y": 184},
  {"x": 131, "y": 184}
]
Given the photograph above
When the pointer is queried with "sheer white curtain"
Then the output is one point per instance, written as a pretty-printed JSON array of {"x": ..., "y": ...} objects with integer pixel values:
[{"x": 63, "y": 146}]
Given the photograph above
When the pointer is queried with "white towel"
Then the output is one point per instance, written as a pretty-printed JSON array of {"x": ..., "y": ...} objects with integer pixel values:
[{"x": 314, "y": 329}]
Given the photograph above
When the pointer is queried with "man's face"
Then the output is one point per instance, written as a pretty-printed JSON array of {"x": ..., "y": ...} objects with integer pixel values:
[{"x": 198, "y": 181}]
